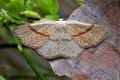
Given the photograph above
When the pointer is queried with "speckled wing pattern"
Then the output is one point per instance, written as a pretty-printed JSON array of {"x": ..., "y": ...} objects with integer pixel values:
[
  {"x": 53, "y": 39},
  {"x": 30, "y": 36},
  {"x": 88, "y": 35}
]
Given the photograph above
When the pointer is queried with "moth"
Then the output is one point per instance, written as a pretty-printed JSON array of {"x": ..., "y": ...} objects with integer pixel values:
[{"x": 53, "y": 39}]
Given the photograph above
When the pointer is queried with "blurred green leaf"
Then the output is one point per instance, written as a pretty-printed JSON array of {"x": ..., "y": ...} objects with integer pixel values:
[
  {"x": 1, "y": 19},
  {"x": 48, "y": 6},
  {"x": 18, "y": 22},
  {"x": 31, "y": 14},
  {"x": 14, "y": 7},
  {"x": 2, "y": 78},
  {"x": 6, "y": 17},
  {"x": 3, "y": 2},
  {"x": 53, "y": 7},
  {"x": 52, "y": 17},
  {"x": 19, "y": 44},
  {"x": 29, "y": 5}
]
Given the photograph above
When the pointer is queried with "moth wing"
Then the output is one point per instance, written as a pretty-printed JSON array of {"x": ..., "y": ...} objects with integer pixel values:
[
  {"x": 33, "y": 36},
  {"x": 90, "y": 36},
  {"x": 44, "y": 27},
  {"x": 76, "y": 28}
]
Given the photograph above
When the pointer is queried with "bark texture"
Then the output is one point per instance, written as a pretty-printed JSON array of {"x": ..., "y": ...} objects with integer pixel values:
[{"x": 101, "y": 62}]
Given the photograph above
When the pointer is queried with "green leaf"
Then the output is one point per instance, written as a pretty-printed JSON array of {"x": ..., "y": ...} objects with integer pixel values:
[
  {"x": 29, "y": 5},
  {"x": 53, "y": 7},
  {"x": 14, "y": 7},
  {"x": 3, "y": 2},
  {"x": 18, "y": 22},
  {"x": 19, "y": 44},
  {"x": 52, "y": 17},
  {"x": 48, "y": 6},
  {"x": 31, "y": 14},
  {"x": 2, "y": 78},
  {"x": 6, "y": 17},
  {"x": 1, "y": 20}
]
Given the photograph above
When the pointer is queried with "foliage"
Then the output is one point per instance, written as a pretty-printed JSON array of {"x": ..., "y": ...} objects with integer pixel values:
[
  {"x": 49, "y": 7},
  {"x": 18, "y": 12},
  {"x": 2, "y": 78}
]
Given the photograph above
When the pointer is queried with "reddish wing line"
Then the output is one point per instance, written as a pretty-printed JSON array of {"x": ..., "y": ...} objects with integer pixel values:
[
  {"x": 83, "y": 32},
  {"x": 38, "y": 32}
]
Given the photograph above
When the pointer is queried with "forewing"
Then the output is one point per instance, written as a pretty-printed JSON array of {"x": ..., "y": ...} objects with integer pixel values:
[
  {"x": 43, "y": 27},
  {"x": 76, "y": 28},
  {"x": 88, "y": 36},
  {"x": 33, "y": 35}
]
